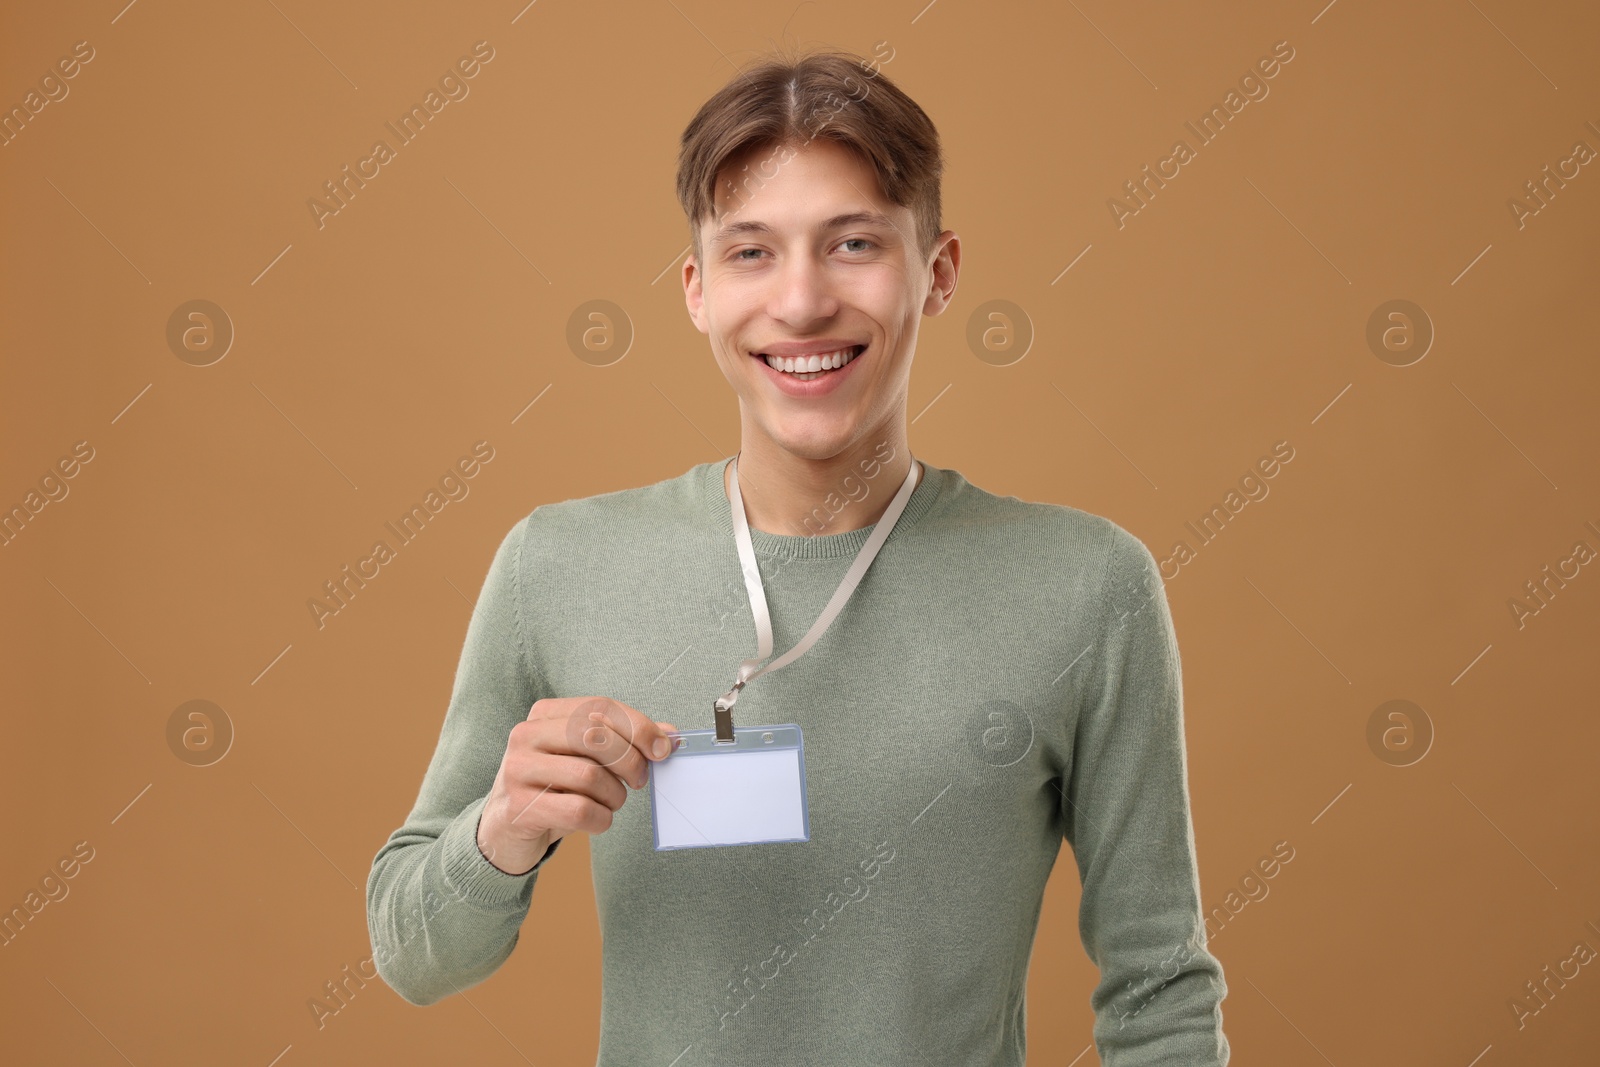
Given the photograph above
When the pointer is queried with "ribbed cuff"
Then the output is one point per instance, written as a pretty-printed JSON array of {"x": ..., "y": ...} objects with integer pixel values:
[{"x": 469, "y": 873}]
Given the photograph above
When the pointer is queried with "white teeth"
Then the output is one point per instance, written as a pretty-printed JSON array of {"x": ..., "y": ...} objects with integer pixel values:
[{"x": 810, "y": 364}]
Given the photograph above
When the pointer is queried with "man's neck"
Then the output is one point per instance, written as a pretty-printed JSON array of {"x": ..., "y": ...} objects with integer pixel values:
[{"x": 789, "y": 495}]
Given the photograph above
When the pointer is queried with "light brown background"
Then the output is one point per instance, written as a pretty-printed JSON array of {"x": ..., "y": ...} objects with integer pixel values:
[{"x": 1228, "y": 315}]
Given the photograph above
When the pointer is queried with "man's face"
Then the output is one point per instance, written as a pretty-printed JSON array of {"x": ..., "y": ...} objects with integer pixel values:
[{"x": 815, "y": 260}]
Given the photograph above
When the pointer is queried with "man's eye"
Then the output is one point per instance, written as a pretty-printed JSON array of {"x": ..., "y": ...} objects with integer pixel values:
[
  {"x": 863, "y": 240},
  {"x": 741, "y": 253}
]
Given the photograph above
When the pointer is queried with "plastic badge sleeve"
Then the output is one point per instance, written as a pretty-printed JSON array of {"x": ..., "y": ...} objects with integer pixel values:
[{"x": 753, "y": 791}]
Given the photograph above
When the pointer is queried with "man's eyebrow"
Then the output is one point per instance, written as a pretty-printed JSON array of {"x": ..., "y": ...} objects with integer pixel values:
[{"x": 853, "y": 218}]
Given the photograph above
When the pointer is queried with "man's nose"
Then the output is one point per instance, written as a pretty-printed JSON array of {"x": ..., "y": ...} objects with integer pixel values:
[{"x": 804, "y": 292}]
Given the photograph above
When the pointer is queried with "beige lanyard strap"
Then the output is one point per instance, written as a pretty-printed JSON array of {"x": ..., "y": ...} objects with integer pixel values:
[{"x": 751, "y": 669}]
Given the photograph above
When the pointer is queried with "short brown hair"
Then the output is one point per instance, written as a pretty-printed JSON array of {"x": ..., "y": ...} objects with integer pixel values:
[{"x": 788, "y": 99}]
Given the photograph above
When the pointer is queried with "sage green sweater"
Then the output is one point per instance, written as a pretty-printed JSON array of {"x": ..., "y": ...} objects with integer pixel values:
[{"x": 1006, "y": 676}]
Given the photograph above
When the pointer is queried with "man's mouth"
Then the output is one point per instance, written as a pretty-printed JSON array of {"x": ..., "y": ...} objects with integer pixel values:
[{"x": 808, "y": 368}]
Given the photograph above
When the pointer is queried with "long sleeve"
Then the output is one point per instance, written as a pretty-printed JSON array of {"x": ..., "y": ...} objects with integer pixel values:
[
  {"x": 441, "y": 917},
  {"x": 1126, "y": 809}
]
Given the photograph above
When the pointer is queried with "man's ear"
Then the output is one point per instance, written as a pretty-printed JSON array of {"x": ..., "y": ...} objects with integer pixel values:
[
  {"x": 945, "y": 271},
  {"x": 694, "y": 296}
]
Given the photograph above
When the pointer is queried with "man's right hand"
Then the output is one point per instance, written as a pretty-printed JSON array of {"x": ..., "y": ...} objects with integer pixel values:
[{"x": 566, "y": 768}]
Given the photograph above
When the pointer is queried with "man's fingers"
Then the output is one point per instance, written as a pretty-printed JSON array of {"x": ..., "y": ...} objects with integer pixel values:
[
  {"x": 569, "y": 775},
  {"x": 636, "y": 728},
  {"x": 608, "y": 732},
  {"x": 623, "y": 760},
  {"x": 595, "y": 729}
]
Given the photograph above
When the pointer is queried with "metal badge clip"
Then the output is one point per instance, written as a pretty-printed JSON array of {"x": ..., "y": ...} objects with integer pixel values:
[{"x": 722, "y": 711}]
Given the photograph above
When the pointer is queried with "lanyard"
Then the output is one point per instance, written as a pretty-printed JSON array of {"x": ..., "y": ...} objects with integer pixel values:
[{"x": 750, "y": 669}]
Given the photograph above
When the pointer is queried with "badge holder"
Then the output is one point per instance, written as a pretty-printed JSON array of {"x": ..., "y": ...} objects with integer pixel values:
[{"x": 744, "y": 791}]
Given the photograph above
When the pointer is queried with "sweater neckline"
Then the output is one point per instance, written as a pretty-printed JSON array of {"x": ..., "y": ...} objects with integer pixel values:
[{"x": 930, "y": 486}]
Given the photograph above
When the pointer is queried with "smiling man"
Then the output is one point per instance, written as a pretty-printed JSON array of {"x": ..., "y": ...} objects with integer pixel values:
[
  {"x": 811, "y": 291},
  {"x": 1003, "y": 678}
]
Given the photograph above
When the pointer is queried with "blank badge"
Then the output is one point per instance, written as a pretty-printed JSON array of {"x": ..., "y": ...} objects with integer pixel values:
[{"x": 752, "y": 791}]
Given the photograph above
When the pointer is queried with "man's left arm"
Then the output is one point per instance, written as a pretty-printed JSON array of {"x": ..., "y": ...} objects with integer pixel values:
[{"x": 1126, "y": 811}]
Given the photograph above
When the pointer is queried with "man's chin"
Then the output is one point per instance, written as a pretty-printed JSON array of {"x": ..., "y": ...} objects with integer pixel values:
[{"x": 814, "y": 437}]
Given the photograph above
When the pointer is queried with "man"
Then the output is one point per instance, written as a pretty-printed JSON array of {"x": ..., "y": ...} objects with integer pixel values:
[{"x": 1004, "y": 677}]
